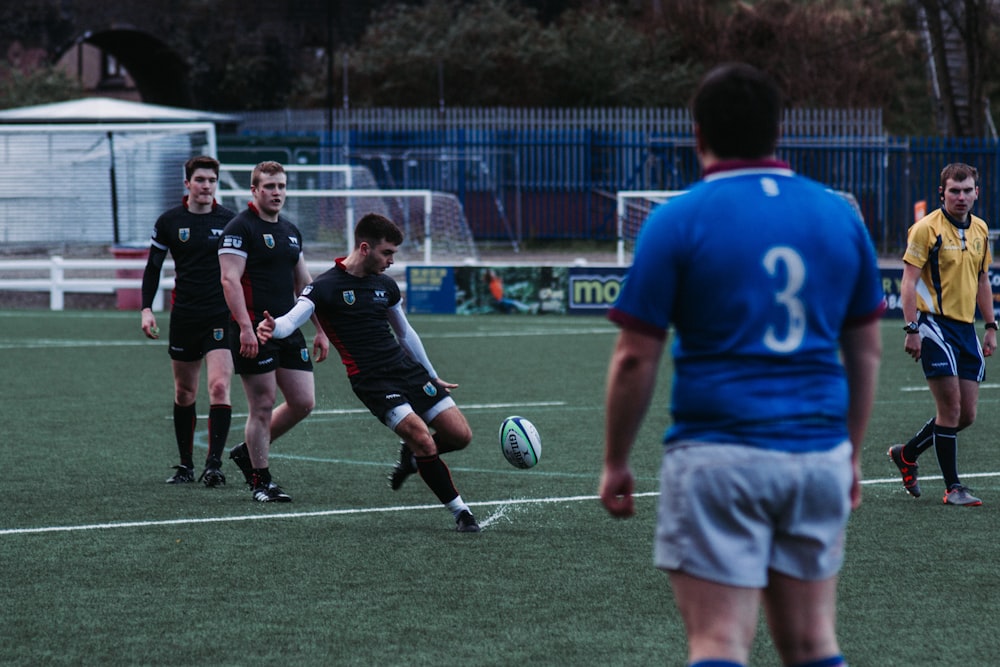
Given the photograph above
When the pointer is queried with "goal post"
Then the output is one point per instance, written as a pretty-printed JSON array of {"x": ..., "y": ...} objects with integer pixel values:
[
  {"x": 433, "y": 223},
  {"x": 632, "y": 207}
]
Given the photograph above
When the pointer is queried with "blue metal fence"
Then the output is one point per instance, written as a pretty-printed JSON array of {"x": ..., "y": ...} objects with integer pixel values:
[{"x": 553, "y": 174}]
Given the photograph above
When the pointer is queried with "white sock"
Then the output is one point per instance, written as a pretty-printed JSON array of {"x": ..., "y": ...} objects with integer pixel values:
[{"x": 457, "y": 506}]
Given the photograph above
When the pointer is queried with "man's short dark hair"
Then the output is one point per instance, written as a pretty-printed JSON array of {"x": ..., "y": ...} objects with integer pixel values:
[
  {"x": 374, "y": 227},
  {"x": 738, "y": 111},
  {"x": 200, "y": 162},
  {"x": 958, "y": 171}
]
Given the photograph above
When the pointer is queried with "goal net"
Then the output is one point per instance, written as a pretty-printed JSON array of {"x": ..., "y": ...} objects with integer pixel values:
[
  {"x": 634, "y": 206},
  {"x": 325, "y": 202},
  {"x": 94, "y": 184}
]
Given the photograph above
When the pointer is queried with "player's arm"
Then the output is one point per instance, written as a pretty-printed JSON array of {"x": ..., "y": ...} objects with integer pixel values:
[
  {"x": 284, "y": 326},
  {"x": 908, "y": 302},
  {"x": 321, "y": 343},
  {"x": 629, "y": 389},
  {"x": 411, "y": 343},
  {"x": 231, "y": 267},
  {"x": 861, "y": 351},
  {"x": 150, "y": 284},
  {"x": 984, "y": 299}
]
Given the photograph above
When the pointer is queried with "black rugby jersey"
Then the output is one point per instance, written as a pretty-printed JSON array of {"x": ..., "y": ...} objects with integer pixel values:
[
  {"x": 193, "y": 241},
  {"x": 271, "y": 250},
  {"x": 353, "y": 312}
]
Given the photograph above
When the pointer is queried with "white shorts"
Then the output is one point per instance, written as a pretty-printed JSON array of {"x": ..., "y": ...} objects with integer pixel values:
[{"x": 731, "y": 513}]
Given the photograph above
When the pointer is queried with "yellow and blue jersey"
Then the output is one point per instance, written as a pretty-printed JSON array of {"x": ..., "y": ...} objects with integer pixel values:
[{"x": 950, "y": 259}]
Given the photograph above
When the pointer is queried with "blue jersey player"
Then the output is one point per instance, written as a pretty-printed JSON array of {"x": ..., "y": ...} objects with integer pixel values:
[{"x": 771, "y": 285}]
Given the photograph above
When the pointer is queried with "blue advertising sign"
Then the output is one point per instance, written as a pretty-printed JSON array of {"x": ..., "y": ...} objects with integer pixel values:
[{"x": 430, "y": 289}]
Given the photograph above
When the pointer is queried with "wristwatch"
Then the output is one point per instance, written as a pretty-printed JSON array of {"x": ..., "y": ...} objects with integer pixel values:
[
  {"x": 912, "y": 328},
  {"x": 992, "y": 325}
]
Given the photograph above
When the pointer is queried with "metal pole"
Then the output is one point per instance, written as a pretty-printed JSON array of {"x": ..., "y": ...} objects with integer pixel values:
[{"x": 114, "y": 188}]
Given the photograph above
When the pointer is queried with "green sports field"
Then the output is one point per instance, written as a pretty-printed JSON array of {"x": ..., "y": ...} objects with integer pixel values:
[{"x": 104, "y": 564}]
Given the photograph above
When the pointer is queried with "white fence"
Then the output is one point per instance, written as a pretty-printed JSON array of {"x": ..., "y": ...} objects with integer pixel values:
[{"x": 59, "y": 276}]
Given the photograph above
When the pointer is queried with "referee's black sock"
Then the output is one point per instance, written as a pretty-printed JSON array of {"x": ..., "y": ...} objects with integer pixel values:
[
  {"x": 919, "y": 443},
  {"x": 946, "y": 447},
  {"x": 185, "y": 417}
]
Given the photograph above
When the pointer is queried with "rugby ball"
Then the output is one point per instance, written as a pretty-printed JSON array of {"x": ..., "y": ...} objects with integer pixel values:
[{"x": 519, "y": 442}]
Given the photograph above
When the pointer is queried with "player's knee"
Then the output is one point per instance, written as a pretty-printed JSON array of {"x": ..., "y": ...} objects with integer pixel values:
[
  {"x": 185, "y": 395},
  {"x": 461, "y": 438},
  {"x": 304, "y": 408},
  {"x": 218, "y": 392}
]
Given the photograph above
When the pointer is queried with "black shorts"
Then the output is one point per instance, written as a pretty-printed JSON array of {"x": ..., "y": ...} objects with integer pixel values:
[
  {"x": 191, "y": 338},
  {"x": 390, "y": 387},
  {"x": 291, "y": 353}
]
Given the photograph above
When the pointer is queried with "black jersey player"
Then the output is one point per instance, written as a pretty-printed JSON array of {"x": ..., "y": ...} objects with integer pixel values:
[
  {"x": 360, "y": 308},
  {"x": 199, "y": 317}
]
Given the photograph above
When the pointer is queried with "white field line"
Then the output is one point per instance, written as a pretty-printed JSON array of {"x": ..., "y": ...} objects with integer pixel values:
[
  {"x": 42, "y": 343},
  {"x": 294, "y": 515},
  {"x": 500, "y": 513}
]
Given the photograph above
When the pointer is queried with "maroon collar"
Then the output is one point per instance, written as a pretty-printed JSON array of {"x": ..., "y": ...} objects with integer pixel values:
[{"x": 732, "y": 165}]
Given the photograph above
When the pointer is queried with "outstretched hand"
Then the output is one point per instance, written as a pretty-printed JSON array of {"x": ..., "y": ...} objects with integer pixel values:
[
  {"x": 444, "y": 385},
  {"x": 265, "y": 328}
]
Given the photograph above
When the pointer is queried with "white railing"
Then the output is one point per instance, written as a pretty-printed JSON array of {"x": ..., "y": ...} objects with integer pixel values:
[
  {"x": 60, "y": 276},
  {"x": 115, "y": 274}
]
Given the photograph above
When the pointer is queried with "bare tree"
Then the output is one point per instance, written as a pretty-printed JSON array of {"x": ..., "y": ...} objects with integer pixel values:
[{"x": 958, "y": 35}]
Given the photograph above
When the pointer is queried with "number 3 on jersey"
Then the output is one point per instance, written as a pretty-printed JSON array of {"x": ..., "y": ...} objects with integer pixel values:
[{"x": 795, "y": 272}]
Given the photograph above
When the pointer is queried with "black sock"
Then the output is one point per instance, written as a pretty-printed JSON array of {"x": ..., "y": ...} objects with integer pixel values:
[
  {"x": 220, "y": 418},
  {"x": 919, "y": 443},
  {"x": 261, "y": 477},
  {"x": 185, "y": 417},
  {"x": 436, "y": 475},
  {"x": 946, "y": 447}
]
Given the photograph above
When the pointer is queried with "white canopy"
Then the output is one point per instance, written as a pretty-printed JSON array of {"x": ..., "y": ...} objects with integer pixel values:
[{"x": 109, "y": 110}]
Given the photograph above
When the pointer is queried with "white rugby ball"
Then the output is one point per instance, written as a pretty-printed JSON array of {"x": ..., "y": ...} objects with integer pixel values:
[{"x": 520, "y": 443}]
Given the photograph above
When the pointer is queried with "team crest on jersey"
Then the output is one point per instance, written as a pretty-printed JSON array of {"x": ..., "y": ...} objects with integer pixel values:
[
  {"x": 184, "y": 234},
  {"x": 269, "y": 240},
  {"x": 304, "y": 353},
  {"x": 217, "y": 334},
  {"x": 349, "y": 297},
  {"x": 431, "y": 389}
]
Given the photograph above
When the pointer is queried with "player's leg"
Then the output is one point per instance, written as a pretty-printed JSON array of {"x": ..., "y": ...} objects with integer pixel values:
[
  {"x": 720, "y": 620},
  {"x": 947, "y": 393},
  {"x": 433, "y": 470},
  {"x": 261, "y": 390},
  {"x": 298, "y": 388},
  {"x": 186, "y": 374},
  {"x": 451, "y": 430},
  {"x": 219, "y": 369},
  {"x": 802, "y": 618}
]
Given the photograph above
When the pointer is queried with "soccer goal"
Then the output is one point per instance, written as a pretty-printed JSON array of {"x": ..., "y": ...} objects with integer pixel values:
[
  {"x": 326, "y": 201},
  {"x": 632, "y": 208}
]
